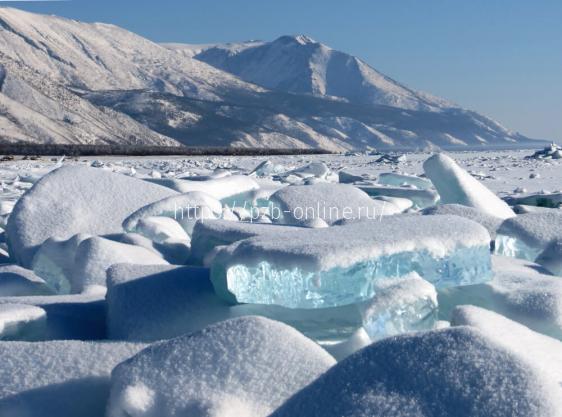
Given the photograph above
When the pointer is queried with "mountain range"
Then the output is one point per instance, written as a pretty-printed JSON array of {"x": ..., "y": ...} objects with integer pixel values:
[{"x": 69, "y": 82}]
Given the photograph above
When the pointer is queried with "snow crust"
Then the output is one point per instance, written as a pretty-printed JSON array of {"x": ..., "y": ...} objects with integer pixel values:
[{"x": 239, "y": 367}]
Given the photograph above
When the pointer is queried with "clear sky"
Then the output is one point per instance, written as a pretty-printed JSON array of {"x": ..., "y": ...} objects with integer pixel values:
[{"x": 502, "y": 58}]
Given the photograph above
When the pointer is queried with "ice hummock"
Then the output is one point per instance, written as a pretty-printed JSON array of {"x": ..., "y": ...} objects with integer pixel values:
[
  {"x": 75, "y": 199},
  {"x": 459, "y": 372},
  {"x": 456, "y": 186},
  {"x": 313, "y": 268},
  {"x": 527, "y": 235},
  {"x": 300, "y": 204},
  {"x": 400, "y": 306},
  {"x": 174, "y": 300},
  {"x": 543, "y": 353},
  {"x": 240, "y": 367}
]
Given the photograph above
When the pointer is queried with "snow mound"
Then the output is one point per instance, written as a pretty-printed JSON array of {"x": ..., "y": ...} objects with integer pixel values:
[
  {"x": 456, "y": 186},
  {"x": 520, "y": 290},
  {"x": 95, "y": 255},
  {"x": 173, "y": 301},
  {"x": 491, "y": 223},
  {"x": 75, "y": 199},
  {"x": 541, "y": 352},
  {"x": 21, "y": 322},
  {"x": 301, "y": 204},
  {"x": 63, "y": 378},
  {"x": 457, "y": 372},
  {"x": 18, "y": 281},
  {"x": 243, "y": 367},
  {"x": 312, "y": 268}
]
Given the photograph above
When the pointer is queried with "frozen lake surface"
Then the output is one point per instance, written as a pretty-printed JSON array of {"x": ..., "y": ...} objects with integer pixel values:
[{"x": 317, "y": 285}]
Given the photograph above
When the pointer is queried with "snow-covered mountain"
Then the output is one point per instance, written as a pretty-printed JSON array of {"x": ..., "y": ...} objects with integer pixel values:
[
  {"x": 64, "y": 81},
  {"x": 298, "y": 64}
]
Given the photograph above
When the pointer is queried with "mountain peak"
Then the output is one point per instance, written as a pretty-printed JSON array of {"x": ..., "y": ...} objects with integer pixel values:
[{"x": 292, "y": 39}]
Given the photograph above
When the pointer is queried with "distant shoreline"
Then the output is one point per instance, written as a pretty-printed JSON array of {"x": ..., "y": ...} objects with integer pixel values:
[
  {"x": 112, "y": 150},
  {"x": 128, "y": 150}
]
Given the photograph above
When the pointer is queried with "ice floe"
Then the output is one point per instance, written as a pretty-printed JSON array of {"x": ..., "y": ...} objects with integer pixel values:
[{"x": 340, "y": 265}]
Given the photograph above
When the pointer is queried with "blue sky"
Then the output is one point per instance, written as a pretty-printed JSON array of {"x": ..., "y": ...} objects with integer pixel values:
[{"x": 502, "y": 58}]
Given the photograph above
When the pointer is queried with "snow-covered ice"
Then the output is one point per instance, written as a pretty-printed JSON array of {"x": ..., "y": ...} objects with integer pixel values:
[
  {"x": 185, "y": 208},
  {"x": 148, "y": 299},
  {"x": 340, "y": 265},
  {"x": 520, "y": 290},
  {"x": 173, "y": 300},
  {"x": 422, "y": 198},
  {"x": 244, "y": 367},
  {"x": 70, "y": 317},
  {"x": 218, "y": 188},
  {"x": 456, "y": 186},
  {"x": 75, "y": 199},
  {"x": 21, "y": 322},
  {"x": 458, "y": 372},
  {"x": 400, "y": 306},
  {"x": 527, "y": 235},
  {"x": 95, "y": 255},
  {"x": 539, "y": 351},
  {"x": 392, "y": 178},
  {"x": 301, "y": 204},
  {"x": 18, "y": 281},
  {"x": 491, "y": 223}
]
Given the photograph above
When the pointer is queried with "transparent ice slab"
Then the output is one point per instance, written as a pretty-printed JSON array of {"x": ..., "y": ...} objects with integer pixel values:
[
  {"x": 265, "y": 283},
  {"x": 401, "y": 307}
]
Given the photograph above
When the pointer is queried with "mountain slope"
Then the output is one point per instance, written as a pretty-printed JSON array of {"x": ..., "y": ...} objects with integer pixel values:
[
  {"x": 299, "y": 64},
  {"x": 63, "y": 81}
]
